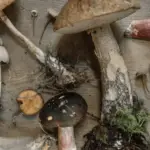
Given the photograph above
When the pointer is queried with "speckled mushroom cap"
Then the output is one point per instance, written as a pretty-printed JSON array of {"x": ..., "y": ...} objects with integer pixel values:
[
  {"x": 81, "y": 15},
  {"x": 63, "y": 110},
  {"x": 5, "y": 3}
]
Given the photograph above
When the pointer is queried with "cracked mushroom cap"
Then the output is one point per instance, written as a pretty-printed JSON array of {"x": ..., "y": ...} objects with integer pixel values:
[
  {"x": 63, "y": 110},
  {"x": 4, "y": 57},
  {"x": 81, "y": 15},
  {"x": 5, "y": 3}
]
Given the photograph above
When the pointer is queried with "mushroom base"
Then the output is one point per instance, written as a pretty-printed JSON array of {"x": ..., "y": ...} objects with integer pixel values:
[
  {"x": 126, "y": 130},
  {"x": 117, "y": 140}
]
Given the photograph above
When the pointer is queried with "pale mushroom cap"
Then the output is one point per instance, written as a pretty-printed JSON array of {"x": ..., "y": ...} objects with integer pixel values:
[
  {"x": 5, "y": 3},
  {"x": 4, "y": 57},
  {"x": 81, "y": 15},
  {"x": 31, "y": 102}
]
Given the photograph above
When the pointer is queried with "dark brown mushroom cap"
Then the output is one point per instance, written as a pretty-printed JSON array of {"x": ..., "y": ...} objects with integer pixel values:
[
  {"x": 81, "y": 15},
  {"x": 64, "y": 110}
]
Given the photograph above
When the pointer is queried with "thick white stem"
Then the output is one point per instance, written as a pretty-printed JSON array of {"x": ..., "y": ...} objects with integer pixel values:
[
  {"x": 65, "y": 76},
  {"x": 116, "y": 86},
  {"x": 66, "y": 138}
]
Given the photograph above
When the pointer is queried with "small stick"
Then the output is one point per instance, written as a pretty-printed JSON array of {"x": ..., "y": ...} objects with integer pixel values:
[
  {"x": 138, "y": 29},
  {"x": 52, "y": 14},
  {"x": 45, "y": 27}
]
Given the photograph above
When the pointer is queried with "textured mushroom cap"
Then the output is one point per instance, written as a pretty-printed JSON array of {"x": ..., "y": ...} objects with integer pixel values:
[
  {"x": 81, "y": 15},
  {"x": 30, "y": 102},
  {"x": 5, "y": 3},
  {"x": 4, "y": 57},
  {"x": 64, "y": 110}
]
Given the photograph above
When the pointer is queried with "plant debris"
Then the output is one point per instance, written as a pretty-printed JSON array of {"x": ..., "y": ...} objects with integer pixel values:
[
  {"x": 111, "y": 138},
  {"x": 125, "y": 131},
  {"x": 50, "y": 80}
]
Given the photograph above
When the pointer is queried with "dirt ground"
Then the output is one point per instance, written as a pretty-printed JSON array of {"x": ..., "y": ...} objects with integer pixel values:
[{"x": 23, "y": 72}]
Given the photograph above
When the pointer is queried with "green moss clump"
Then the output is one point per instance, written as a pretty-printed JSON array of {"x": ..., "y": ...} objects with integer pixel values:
[{"x": 132, "y": 121}]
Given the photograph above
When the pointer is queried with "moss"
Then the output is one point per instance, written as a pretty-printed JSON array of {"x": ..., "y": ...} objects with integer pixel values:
[
  {"x": 125, "y": 131},
  {"x": 132, "y": 120}
]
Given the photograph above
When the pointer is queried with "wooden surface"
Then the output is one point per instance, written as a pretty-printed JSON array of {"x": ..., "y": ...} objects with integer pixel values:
[{"x": 23, "y": 71}]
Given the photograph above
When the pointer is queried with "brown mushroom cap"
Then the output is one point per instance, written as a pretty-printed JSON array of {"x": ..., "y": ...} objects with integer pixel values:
[
  {"x": 30, "y": 102},
  {"x": 81, "y": 15},
  {"x": 5, "y": 3}
]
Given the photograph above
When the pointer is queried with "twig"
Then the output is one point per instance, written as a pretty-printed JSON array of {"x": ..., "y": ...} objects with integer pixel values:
[{"x": 94, "y": 117}]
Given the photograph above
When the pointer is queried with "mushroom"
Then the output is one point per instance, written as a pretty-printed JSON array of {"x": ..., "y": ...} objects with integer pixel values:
[
  {"x": 64, "y": 111},
  {"x": 4, "y": 58},
  {"x": 95, "y": 16},
  {"x": 30, "y": 102},
  {"x": 138, "y": 29},
  {"x": 65, "y": 77}
]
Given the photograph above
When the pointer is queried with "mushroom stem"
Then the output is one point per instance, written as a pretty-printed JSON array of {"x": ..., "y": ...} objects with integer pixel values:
[
  {"x": 66, "y": 138},
  {"x": 0, "y": 81},
  {"x": 115, "y": 81},
  {"x": 55, "y": 44},
  {"x": 65, "y": 76},
  {"x": 54, "y": 13}
]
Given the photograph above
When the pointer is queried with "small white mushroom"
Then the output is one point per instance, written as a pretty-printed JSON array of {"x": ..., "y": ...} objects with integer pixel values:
[{"x": 4, "y": 58}]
